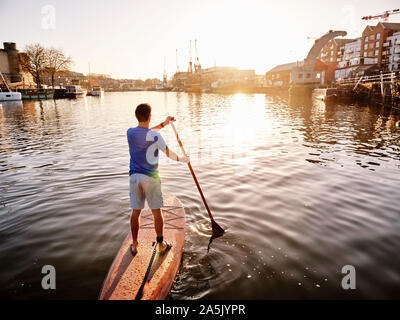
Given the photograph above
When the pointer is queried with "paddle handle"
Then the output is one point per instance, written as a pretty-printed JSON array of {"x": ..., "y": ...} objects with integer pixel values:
[{"x": 192, "y": 172}]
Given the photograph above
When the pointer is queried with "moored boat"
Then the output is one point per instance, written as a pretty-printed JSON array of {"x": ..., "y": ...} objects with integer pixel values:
[
  {"x": 36, "y": 94},
  {"x": 328, "y": 95},
  {"x": 10, "y": 96},
  {"x": 97, "y": 91},
  {"x": 75, "y": 91}
]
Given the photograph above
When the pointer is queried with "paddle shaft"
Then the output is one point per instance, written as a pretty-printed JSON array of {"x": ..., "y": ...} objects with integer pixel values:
[{"x": 192, "y": 172}]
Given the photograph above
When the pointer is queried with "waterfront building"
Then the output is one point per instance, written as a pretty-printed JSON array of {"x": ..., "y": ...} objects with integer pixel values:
[
  {"x": 392, "y": 51},
  {"x": 285, "y": 75},
  {"x": 64, "y": 78},
  {"x": 351, "y": 60},
  {"x": 181, "y": 79},
  {"x": 332, "y": 54},
  {"x": 260, "y": 81},
  {"x": 280, "y": 76},
  {"x": 10, "y": 66},
  {"x": 375, "y": 45},
  {"x": 215, "y": 77},
  {"x": 334, "y": 50}
]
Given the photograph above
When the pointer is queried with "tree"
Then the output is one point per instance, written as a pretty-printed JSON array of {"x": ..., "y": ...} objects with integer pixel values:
[
  {"x": 35, "y": 61},
  {"x": 56, "y": 61}
]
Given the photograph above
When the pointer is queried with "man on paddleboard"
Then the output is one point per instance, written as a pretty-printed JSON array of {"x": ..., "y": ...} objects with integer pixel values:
[{"x": 144, "y": 181}]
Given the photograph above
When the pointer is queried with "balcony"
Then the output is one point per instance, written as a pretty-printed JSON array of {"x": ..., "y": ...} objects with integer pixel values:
[
  {"x": 386, "y": 44},
  {"x": 370, "y": 60},
  {"x": 355, "y": 61}
]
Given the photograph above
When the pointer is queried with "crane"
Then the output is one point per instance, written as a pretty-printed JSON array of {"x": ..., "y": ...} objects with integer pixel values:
[
  {"x": 383, "y": 16},
  {"x": 177, "y": 64},
  {"x": 197, "y": 66},
  {"x": 165, "y": 79},
  {"x": 190, "y": 67}
]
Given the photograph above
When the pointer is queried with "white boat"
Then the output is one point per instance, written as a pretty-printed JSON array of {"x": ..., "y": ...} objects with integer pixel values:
[
  {"x": 75, "y": 92},
  {"x": 10, "y": 96},
  {"x": 97, "y": 91}
]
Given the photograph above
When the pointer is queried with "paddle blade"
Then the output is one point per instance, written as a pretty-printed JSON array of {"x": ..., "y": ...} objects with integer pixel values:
[{"x": 216, "y": 229}]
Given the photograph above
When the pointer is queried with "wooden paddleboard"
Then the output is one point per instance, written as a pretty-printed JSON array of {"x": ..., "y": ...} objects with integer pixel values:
[{"x": 127, "y": 272}]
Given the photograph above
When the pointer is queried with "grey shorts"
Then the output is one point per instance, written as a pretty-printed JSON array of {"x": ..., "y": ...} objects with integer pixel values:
[{"x": 143, "y": 187}]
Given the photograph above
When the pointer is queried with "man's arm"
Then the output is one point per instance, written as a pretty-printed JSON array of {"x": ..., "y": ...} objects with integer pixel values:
[
  {"x": 173, "y": 156},
  {"x": 169, "y": 153},
  {"x": 163, "y": 124}
]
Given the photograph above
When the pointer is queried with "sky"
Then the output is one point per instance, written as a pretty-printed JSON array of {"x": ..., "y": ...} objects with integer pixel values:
[{"x": 129, "y": 38}]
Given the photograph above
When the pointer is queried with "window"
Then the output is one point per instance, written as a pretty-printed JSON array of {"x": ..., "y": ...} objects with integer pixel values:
[
  {"x": 366, "y": 39},
  {"x": 300, "y": 75},
  {"x": 331, "y": 59},
  {"x": 308, "y": 75},
  {"x": 372, "y": 37},
  {"x": 365, "y": 53},
  {"x": 376, "y": 52},
  {"x": 332, "y": 53},
  {"x": 377, "y": 44},
  {"x": 378, "y": 36},
  {"x": 365, "y": 46}
]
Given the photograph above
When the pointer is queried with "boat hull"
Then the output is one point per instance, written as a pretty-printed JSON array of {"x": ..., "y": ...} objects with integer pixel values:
[
  {"x": 10, "y": 96},
  {"x": 97, "y": 93},
  {"x": 38, "y": 96},
  {"x": 74, "y": 95}
]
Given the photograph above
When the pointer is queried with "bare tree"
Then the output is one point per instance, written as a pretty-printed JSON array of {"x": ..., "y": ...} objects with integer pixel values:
[
  {"x": 35, "y": 61},
  {"x": 56, "y": 61}
]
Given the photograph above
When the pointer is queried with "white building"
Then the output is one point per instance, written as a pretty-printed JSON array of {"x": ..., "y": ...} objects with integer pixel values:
[
  {"x": 350, "y": 61},
  {"x": 394, "y": 52}
]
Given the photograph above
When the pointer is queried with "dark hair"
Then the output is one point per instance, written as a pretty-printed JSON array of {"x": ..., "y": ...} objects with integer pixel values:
[{"x": 142, "y": 112}]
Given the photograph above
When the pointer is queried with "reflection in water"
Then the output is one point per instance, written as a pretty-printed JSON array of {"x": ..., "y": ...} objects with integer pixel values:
[{"x": 302, "y": 189}]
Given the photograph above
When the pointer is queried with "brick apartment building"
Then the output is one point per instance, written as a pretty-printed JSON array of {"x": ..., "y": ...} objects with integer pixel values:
[
  {"x": 333, "y": 51},
  {"x": 332, "y": 54},
  {"x": 375, "y": 44}
]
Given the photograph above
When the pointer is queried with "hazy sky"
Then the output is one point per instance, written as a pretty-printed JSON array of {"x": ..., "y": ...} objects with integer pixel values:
[{"x": 129, "y": 38}]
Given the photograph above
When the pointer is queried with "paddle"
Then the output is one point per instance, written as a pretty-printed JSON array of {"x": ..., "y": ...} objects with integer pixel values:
[{"x": 217, "y": 229}]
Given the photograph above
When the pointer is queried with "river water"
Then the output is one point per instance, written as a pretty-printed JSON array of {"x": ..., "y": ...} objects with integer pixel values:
[{"x": 302, "y": 189}]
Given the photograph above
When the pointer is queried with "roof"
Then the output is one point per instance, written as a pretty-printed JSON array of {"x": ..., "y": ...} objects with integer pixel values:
[
  {"x": 366, "y": 67},
  {"x": 341, "y": 42},
  {"x": 391, "y": 26},
  {"x": 286, "y": 66},
  {"x": 221, "y": 68}
]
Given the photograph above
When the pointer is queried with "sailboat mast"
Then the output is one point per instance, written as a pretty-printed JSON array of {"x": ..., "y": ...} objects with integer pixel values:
[{"x": 5, "y": 82}]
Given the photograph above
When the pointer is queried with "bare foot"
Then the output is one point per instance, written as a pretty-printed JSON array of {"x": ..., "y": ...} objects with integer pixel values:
[
  {"x": 164, "y": 246},
  {"x": 134, "y": 247}
]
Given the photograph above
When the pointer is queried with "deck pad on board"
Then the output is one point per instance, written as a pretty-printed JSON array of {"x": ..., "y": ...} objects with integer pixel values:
[{"x": 127, "y": 271}]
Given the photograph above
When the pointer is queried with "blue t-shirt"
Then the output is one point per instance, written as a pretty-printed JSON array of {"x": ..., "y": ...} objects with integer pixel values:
[{"x": 143, "y": 149}]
